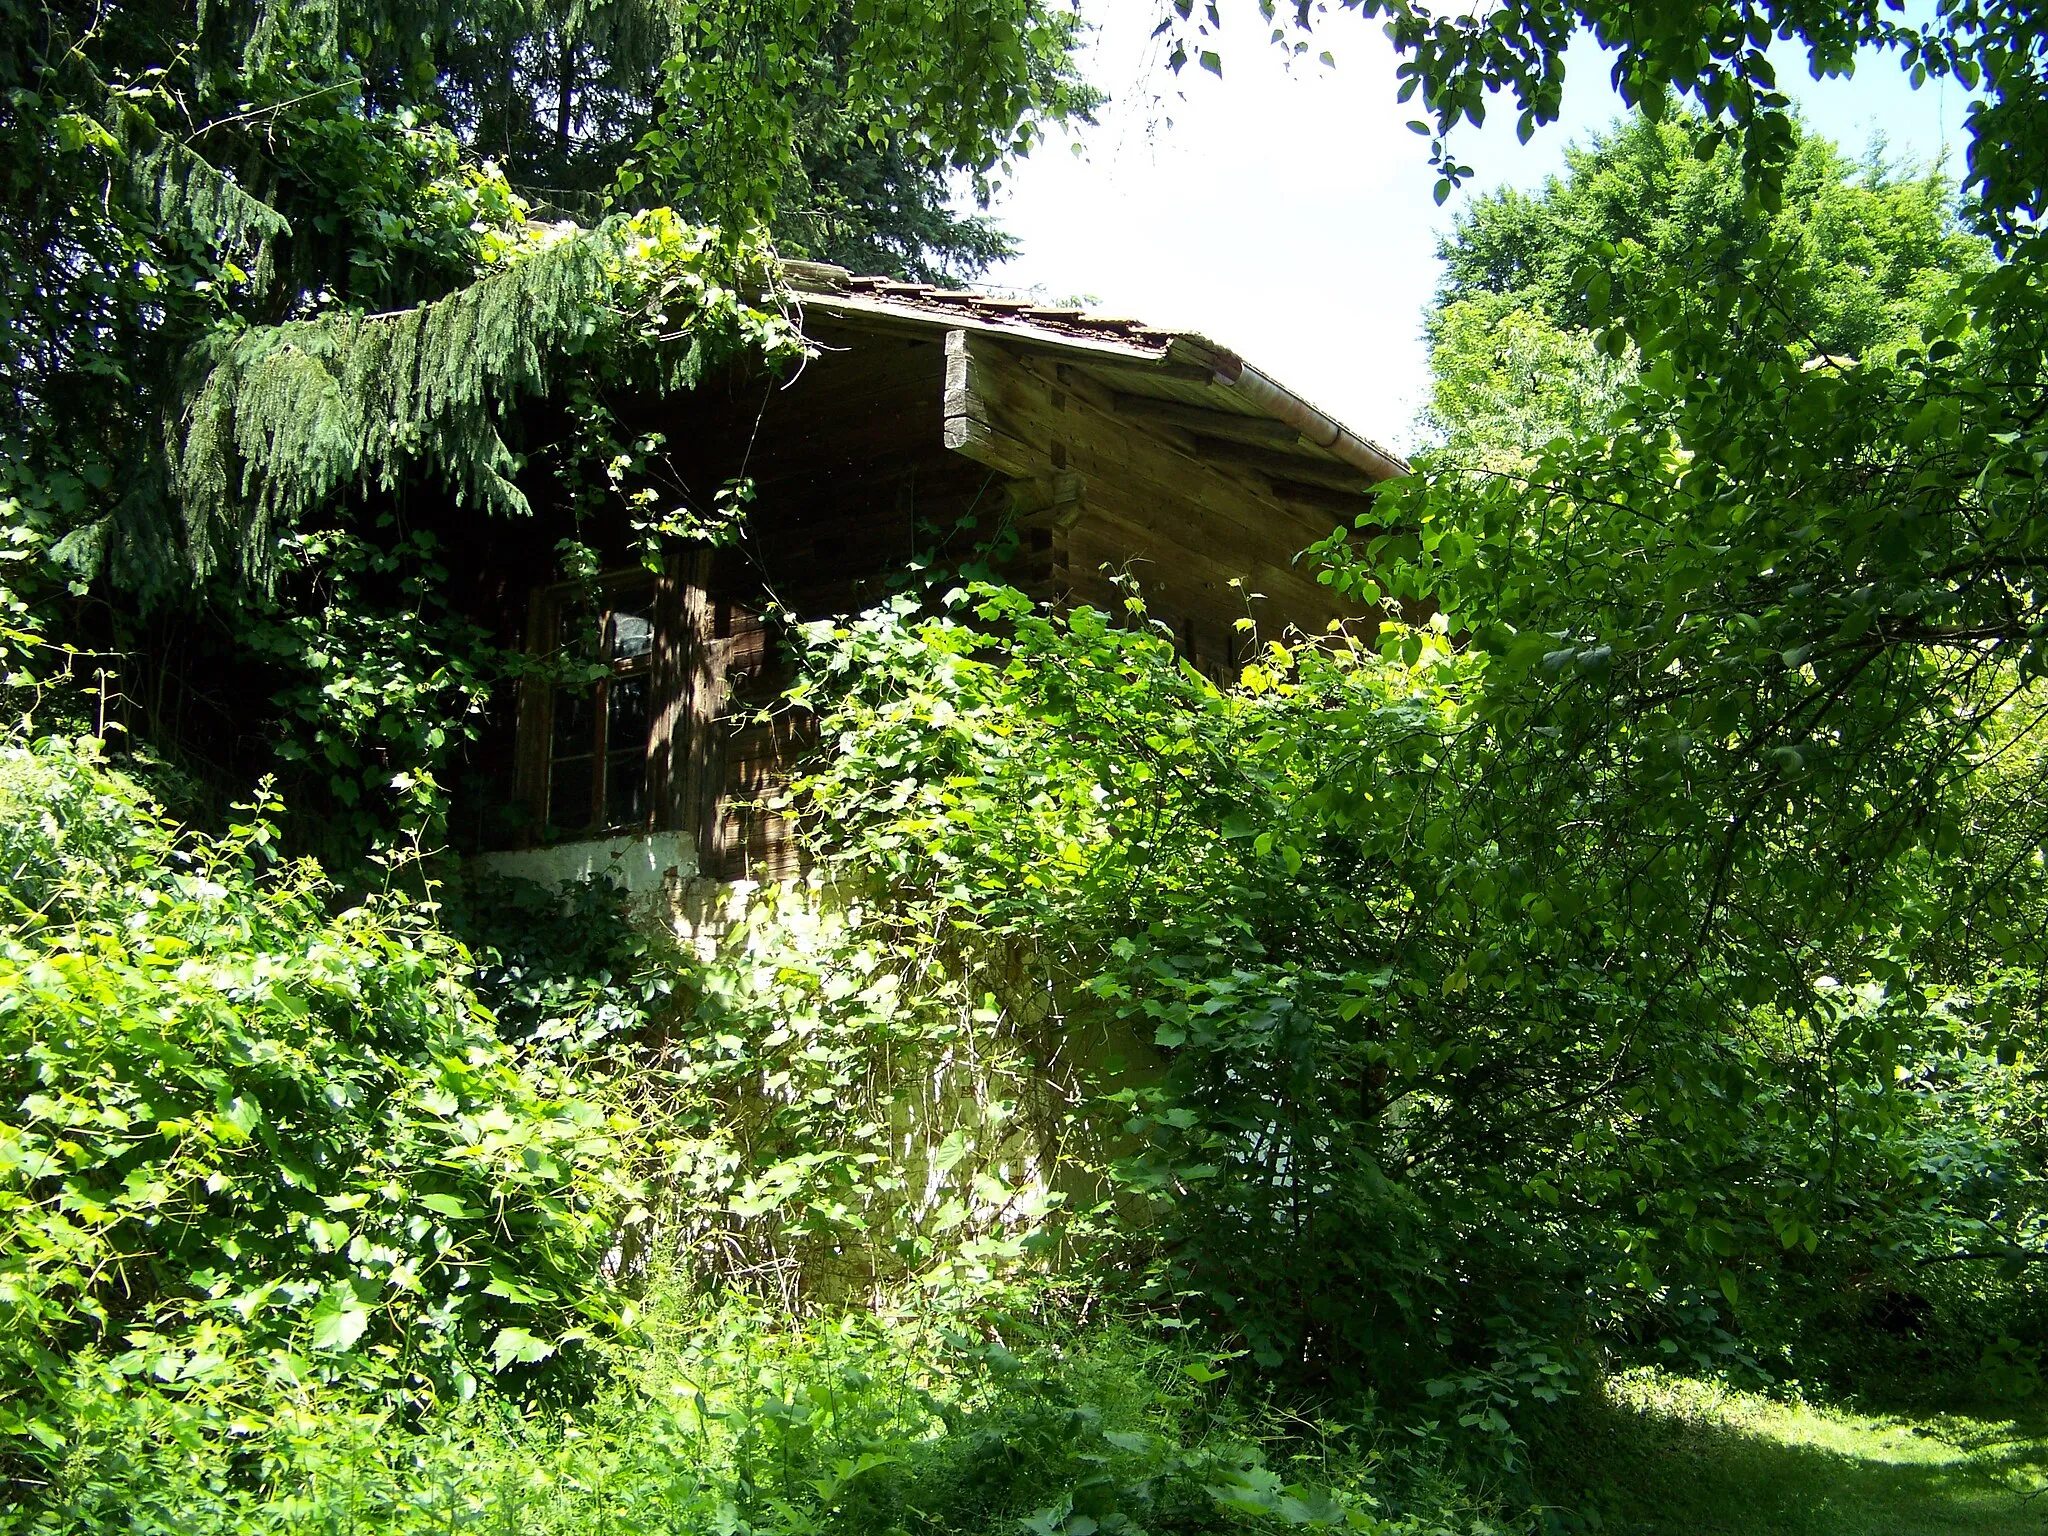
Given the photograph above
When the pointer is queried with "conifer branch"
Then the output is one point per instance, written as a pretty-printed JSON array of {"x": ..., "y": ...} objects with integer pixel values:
[
  {"x": 178, "y": 187},
  {"x": 283, "y": 418}
]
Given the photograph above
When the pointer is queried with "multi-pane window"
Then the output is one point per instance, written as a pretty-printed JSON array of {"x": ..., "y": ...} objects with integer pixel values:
[{"x": 602, "y": 708}]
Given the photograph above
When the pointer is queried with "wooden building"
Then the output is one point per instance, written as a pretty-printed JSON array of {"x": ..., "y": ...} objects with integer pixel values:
[{"x": 929, "y": 421}]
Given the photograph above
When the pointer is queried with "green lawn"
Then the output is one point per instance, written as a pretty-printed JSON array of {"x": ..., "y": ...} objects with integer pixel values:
[{"x": 1671, "y": 1457}]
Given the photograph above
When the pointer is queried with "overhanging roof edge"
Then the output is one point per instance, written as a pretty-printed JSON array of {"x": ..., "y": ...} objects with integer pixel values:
[{"x": 1229, "y": 372}]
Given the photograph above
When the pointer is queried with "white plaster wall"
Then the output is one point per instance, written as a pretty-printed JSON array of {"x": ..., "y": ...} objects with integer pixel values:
[
  {"x": 657, "y": 871},
  {"x": 642, "y": 865}
]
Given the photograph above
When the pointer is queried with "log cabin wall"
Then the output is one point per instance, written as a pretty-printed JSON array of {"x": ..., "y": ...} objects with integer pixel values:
[
  {"x": 851, "y": 473},
  {"x": 910, "y": 437},
  {"x": 1108, "y": 491},
  {"x": 852, "y": 482}
]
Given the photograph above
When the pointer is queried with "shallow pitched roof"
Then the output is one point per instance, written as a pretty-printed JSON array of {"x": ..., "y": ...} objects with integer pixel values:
[
  {"x": 1209, "y": 384},
  {"x": 1024, "y": 315}
]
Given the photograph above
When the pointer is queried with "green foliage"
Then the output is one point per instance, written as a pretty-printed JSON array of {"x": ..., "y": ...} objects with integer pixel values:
[
  {"x": 1874, "y": 247},
  {"x": 1505, "y": 379},
  {"x": 840, "y": 1113},
  {"x": 1411, "y": 1052},
  {"x": 1512, "y": 347},
  {"x": 1755, "y": 630},
  {"x": 395, "y": 208},
  {"x": 292, "y": 415},
  {"x": 953, "y": 86},
  {"x": 186, "y": 178},
  {"x": 250, "y": 1145},
  {"x": 1147, "y": 836},
  {"x": 378, "y": 695},
  {"x": 1752, "y": 607},
  {"x": 262, "y": 279},
  {"x": 168, "y": 183},
  {"x": 573, "y": 972},
  {"x": 1640, "y": 958},
  {"x": 857, "y": 204},
  {"x": 564, "y": 100},
  {"x": 1459, "y": 68},
  {"x": 1765, "y": 610},
  {"x": 732, "y": 1419}
]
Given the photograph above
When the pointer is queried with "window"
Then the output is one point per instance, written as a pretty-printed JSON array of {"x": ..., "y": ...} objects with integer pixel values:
[{"x": 601, "y": 710}]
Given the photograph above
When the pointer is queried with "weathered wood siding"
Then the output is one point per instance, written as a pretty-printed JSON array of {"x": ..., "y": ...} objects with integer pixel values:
[
  {"x": 904, "y": 442},
  {"x": 1209, "y": 545}
]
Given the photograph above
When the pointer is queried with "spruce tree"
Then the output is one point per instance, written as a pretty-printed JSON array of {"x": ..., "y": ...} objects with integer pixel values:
[{"x": 263, "y": 262}]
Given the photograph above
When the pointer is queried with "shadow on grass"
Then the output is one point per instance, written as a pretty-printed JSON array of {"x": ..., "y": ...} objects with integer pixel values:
[{"x": 1667, "y": 1457}]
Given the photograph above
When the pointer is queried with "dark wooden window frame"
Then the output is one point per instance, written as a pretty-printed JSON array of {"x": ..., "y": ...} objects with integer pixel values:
[
  {"x": 651, "y": 667},
  {"x": 711, "y": 664}
]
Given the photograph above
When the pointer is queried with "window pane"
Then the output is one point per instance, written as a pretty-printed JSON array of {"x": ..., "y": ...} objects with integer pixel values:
[
  {"x": 569, "y": 785},
  {"x": 576, "y": 631},
  {"x": 632, "y": 625},
  {"x": 626, "y": 715},
  {"x": 626, "y": 789},
  {"x": 575, "y": 723}
]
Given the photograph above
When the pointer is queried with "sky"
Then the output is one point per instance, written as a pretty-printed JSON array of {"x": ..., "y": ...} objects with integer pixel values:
[{"x": 1289, "y": 215}]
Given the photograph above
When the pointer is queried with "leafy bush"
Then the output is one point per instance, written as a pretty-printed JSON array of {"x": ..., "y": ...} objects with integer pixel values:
[
  {"x": 246, "y": 1139},
  {"x": 569, "y": 972},
  {"x": 1403, "y": 1061},
  {"x": 732, "y": 1419}
]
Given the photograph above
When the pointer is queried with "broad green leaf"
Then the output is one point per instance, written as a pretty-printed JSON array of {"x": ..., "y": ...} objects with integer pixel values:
[
  {"x": 517, "y": 1346},
  {"x": 339, "y": 1320}
]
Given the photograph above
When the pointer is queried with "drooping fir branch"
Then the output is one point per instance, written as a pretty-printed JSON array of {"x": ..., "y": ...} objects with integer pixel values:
[
  {"x": 279, "y": 419},
  {"x": 178, "y": 189},
  {"x": 169, "y": 185}
]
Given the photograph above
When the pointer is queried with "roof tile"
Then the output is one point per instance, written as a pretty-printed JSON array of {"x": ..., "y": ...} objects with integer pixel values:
[{"x": 817, "y": 277}]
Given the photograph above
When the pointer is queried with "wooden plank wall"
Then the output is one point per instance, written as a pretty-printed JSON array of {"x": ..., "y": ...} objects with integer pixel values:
[
  {"x": 1209, "y": 546},
  {"x": 852, "y": 481},
  {"x": 900, "y": 442},
  {"x": 851, "y": 475},
  {"x": 881, "y": 450}
]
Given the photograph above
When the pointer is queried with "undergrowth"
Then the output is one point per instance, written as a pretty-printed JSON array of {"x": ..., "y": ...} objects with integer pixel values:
[
  {"x": 718, "y": 1416},
  {"x": 318, "y": 1221}
]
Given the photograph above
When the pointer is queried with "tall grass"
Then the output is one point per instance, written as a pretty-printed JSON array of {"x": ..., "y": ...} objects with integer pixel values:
[{"x": 724, "y": 1418}]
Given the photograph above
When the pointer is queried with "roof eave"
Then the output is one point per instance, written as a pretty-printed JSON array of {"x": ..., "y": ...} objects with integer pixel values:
[{"x": 1254, "y": 388}]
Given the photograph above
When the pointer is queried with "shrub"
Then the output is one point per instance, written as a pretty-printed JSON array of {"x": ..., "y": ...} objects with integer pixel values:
[
  {"x": 247, "y": 1139},
  {"x": 730, "y": 1418}
]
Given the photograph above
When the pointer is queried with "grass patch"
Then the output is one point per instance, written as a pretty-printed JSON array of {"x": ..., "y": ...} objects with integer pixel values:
[
  {"x": 1669, "y": 1456},
  {"x": 728, "y": 1421}
]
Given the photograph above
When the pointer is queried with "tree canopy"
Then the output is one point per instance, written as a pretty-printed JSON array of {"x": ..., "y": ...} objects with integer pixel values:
[
  {"x": 1625, "y": 944},
  {"x": 180, "y": 174},
  {"x": 1879, "y": 241},
  {"x": 1513, "y": 351},
  {"x": 267, "y": 268}
]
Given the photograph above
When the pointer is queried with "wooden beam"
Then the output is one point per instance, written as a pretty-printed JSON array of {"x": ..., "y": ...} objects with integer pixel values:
[
  {"x": 1326, "y": 473},
  {"x": 1195, "y": 576},
  {"x": 1203, "y": 421},
  {"x": 535, "y": 724},
  {"x": 971, "y": 426},
  {"x": 1109, "y": 372},
  {"x": 1077, "y": 381},
  {"x": 698, "y": 681},
  {"x": 1346, "y": 504},
  {"x": 1200, "y": 517},
  {"x": 1056, "y": 503},
  {"x": 1061, "y": 409},
  {"x": 991, "y": 446}
]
